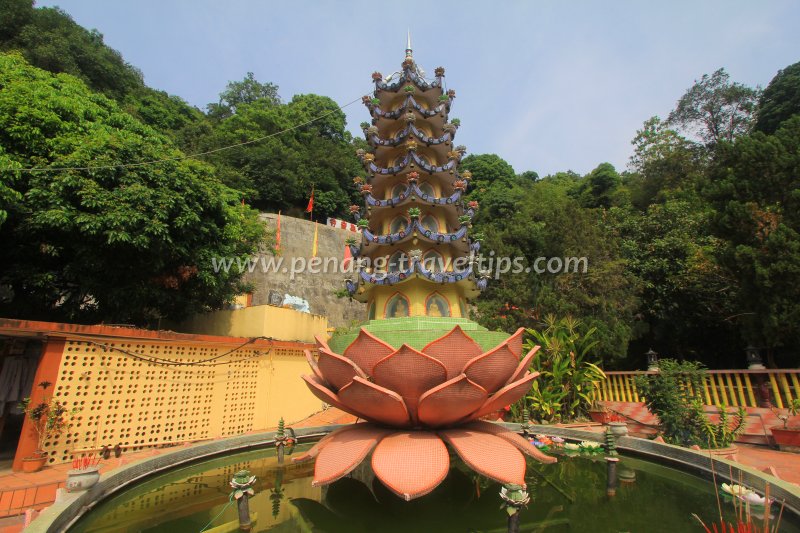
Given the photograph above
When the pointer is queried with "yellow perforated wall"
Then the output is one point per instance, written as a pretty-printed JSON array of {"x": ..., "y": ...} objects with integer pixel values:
[{"x": 135, "y": 403}]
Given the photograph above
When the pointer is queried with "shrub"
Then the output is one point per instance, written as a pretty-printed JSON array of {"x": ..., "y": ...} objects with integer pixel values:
[
  {"x": 672, "y": 394},
  {"x": 567, "y": 382}
]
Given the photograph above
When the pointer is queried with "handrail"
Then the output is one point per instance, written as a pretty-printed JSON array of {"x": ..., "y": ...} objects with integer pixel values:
[{"x": 735, "y": 387}]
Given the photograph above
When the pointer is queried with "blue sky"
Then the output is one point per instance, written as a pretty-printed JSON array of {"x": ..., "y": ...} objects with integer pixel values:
[{"x": 547, "y": 85}]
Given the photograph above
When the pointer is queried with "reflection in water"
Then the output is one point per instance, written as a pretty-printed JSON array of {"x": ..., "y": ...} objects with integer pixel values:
[{"x": 567, "y": 496}]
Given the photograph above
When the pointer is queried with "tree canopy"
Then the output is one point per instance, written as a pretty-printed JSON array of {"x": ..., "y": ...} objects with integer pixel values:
[
  {"x": 122, "y": 244},
  {"x": 780, "y": 101}
]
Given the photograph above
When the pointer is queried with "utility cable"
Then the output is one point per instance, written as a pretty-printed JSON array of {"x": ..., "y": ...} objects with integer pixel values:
[{"x": 185, "y": 156}]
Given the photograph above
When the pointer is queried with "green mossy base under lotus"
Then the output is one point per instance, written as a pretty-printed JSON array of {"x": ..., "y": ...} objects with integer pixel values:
[{"x": 417, "y": 331}]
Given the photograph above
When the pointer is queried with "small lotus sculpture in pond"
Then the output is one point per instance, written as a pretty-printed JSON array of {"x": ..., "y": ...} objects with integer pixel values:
[{"x": 413, "y": 401}]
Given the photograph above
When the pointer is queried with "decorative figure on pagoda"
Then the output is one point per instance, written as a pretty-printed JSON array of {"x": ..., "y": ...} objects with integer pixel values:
[{"x": 419, "y": 372}]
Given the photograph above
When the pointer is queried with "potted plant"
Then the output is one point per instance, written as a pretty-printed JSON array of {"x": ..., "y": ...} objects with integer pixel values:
[
  {"x": 672, "y": 395},
  {"x": 788, "y": 437},
  {"x": 599, "y": 413},
  {"x": 568, "y": 381},
  {"x": 49, "y": 418},
  {"x": 85, "y": 473},
  {"x": 718, "y": 438}
]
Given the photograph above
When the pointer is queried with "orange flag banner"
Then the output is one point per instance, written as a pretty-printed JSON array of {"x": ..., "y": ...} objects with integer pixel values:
[
  {"x": 348, "y": 257},
  {"x": 310, "y": 206},
  {"x": 314, "y": 248},
  {"x": 278, "y": 235}
]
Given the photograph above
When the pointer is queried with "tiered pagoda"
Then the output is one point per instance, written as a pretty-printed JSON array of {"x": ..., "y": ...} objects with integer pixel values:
[
  {"x": 414, "y": 258},
  {"x": 418, "y": 375}
]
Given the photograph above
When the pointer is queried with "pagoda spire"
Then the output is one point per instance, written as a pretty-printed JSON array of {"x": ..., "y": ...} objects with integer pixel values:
[{"x": 409, "y": 51}]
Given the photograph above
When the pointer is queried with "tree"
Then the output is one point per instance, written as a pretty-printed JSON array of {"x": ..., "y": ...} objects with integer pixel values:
[
  {"x": 754, "y": 187},
  {"x": 487, "y": 170},
  {"x": 239, "y": 93},
  {"x": 599, "y": 187},
  {"x": 49, "y": 39},
  {"x": 119, "y": 244},
  {"x": 686, "y": 297},
  {"x": 529, "y": 221},
  {"x": 663, "y": 163},
  {"x": 780, "y": 101},
  {"x": 716, "y": 109},
  {"x": 279, "y": 171}
]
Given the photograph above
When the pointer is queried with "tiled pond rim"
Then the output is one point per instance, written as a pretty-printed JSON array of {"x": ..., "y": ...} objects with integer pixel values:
[{"x": 61, "y": 515}]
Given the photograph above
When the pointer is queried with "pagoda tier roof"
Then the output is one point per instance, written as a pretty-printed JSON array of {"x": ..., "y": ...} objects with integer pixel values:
[
  {"x": 446, "y": 178},
  {"x": 472, "y": 283},
  {"x": 408, "y": 75},
  {"x": 408, "y": 131},
  {"x": 416, "y": 229},
  {"x": 414, "y": 193},
  {"x": 409, "y": 104},
  {"x": 409, "y": 158},
  {"x": 460, "y": 249}
]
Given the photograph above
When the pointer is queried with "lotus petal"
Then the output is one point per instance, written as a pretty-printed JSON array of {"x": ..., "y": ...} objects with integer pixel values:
[
  {"x": 374, "y": 402},
  {"x": 450, "y": 402},
  {"x": 492, "y": 369},
  {"x": 344, "y": 451},
  {"x": 321, "y": 343},
  {"x": 453, "y": 350},
  {"x": 409, "y": 373},
  {"x": 318, "y": 389},
  {"x": 313, "y": 364},
  {"x": 515, "y": 439},
  {"x": 523, "y": 365},
  {"x": 506, "y": 396},
  {"x": 367, "y": 350},
  {"x": 314, "y": 450},
  {"x": 514, "y": 342},
  {"x": 411, "y": 464},
  {"x": 337, "y": 370},
  {"x": 487, "y": 454}
]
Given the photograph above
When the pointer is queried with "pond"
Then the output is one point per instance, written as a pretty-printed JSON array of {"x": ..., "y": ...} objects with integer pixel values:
[{"x": 567, "y": 496}]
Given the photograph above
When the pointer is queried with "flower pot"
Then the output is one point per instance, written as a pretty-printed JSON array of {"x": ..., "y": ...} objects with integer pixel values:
[
  {"x": 83, "y": 479},
  {"x": 728, "y": 453},
  {"x": 34, "y": 463},
  {"x": 601, "y": 417},
  {"x": 619, "y": 429},
  {"x": 787, "y": 439}
]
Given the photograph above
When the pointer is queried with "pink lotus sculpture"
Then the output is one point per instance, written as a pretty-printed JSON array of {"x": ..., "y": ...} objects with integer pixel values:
[{"x": 413, "y": 402}]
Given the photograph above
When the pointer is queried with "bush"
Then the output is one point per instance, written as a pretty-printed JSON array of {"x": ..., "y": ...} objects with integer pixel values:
[
  {"x": 672, "y": 394},
  {"x": 567, "y": 382}
]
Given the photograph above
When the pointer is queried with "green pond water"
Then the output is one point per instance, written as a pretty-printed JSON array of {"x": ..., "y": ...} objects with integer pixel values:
[{"x": 568, "y": 496}]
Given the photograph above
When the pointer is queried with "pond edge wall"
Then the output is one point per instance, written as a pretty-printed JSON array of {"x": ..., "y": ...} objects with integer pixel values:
[{"x": 62, "y": 515}]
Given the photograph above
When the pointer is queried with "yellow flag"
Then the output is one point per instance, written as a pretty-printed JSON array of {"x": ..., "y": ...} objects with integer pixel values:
[{"x": 314, "y": 249}]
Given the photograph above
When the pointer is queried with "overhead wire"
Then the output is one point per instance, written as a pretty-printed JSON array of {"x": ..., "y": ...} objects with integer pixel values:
[{"x": 183, "y": 156}]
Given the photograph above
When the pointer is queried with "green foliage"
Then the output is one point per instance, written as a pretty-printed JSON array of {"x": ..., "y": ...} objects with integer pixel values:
[
  {"x": 723, "y": 433},
  {"x": 599, "y": 188},
  {"x": 125, "y": 245},
  {"x": 716, "y": 109},
  {"x": 755, "y": 191},
  {"x": 780, "y": 101},
  {"x": 673, "y": 395},
  {"x": 791, "y": 410},
  {"x": 543, "y": 219},
  {"x": 278, "y": 173},
  {"x": 487, "y": 170},
  {"x": 567, "y": 381},
  {"x": 687, "y": 295},
  {"x": 50, "y": 418},
  {"x": 239, "y": 93},
  {"x": 49, "y": 39},
  {"x": 669, "y": 394}
]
